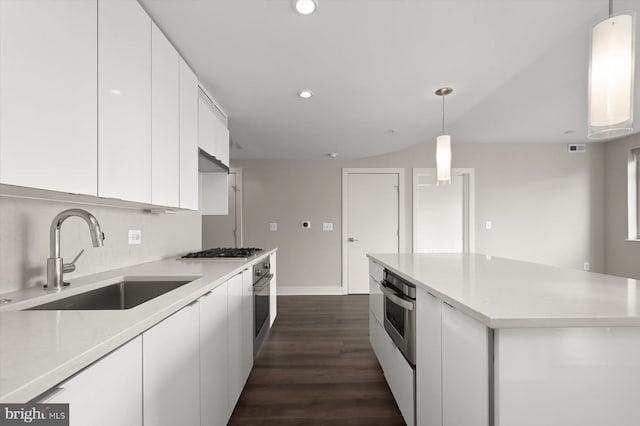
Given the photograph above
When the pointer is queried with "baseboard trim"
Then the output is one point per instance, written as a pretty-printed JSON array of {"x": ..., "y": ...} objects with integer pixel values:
[{"x": 309, "y": 291}]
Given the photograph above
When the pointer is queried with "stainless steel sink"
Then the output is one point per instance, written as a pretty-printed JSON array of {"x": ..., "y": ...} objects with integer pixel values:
[{"x": 123, "y": 295}]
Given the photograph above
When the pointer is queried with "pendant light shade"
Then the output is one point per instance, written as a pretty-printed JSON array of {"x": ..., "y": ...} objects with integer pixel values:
[
  {"x": 611, "y": 77},
  {"x": 443, "y": 146},
  {"x": 443, "y": 158}
]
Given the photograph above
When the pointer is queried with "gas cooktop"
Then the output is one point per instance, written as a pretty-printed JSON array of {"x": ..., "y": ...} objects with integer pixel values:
[{"x": 226, "y": 253}]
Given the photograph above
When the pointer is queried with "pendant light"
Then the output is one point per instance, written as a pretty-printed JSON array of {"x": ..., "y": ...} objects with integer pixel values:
[
  {"x": 443, "y": 146},
  {"x": 611, "y": 76}
]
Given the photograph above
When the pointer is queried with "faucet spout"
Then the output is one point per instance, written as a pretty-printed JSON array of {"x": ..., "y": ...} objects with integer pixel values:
[{"x": 55, "y": 267}]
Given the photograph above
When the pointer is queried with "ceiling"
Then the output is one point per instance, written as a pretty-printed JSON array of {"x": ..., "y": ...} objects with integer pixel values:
[{"x": 518, "y": 69}]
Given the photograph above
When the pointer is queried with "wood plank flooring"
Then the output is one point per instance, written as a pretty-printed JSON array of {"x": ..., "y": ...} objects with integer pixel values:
[{"x": 317, "y": 368}]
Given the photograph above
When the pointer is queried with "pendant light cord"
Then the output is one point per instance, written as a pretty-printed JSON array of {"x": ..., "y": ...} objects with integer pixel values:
[
  {"x": 443, "y": 115},
  {"x": 610, "y": 8}
]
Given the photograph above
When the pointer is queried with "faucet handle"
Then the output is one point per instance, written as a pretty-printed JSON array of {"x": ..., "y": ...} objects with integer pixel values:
[{"x": 70, "y": 267}]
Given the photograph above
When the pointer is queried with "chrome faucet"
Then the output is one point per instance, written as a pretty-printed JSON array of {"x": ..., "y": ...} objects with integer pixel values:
[{"x": 55, "y": 266}]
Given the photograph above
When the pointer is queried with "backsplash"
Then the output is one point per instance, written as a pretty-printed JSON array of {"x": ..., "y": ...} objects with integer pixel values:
[{"x": 24, "y": 239}]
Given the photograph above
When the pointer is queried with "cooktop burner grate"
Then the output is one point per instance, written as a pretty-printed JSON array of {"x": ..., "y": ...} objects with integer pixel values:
[{"x": 235, "y": 253}]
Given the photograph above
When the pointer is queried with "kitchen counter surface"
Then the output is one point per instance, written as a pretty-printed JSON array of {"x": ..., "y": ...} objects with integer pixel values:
[
  {"x": 504, "y": 293},
  {"x": 39, "y": 349}
]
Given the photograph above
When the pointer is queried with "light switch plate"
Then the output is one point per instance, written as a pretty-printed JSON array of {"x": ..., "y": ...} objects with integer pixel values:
[
  {"x": 327, "y": 226},
  {"x": 273, "y": 227},
  {"x": 135, "y": 237},
  {"x": 488, "y": 225}
]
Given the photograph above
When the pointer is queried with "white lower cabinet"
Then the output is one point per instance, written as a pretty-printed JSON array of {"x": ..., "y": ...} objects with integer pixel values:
[
  {"x": 465, "y": 370},
  {"x": 171, "y": 374},
  {"x": 108, "y": 392},
  {"x": 214, "y": 358},
  {"x": 429, "y": 356},
  {"x": 239, "y": 343},
  {"x": 399, "y": 374}
]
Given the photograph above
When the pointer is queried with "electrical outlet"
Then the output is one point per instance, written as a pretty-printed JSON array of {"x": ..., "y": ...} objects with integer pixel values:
[
  {"x": 587, "y": 266},
  {"x": 327, "y": 226},
  {"x": 273, "y": 227},
  {"x": 135, "y": 237}
]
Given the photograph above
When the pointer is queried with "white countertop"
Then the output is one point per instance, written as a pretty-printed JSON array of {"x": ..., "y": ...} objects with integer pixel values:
[
  {"x": 39, "y": 349},
  {"x": 504, "y": 293}
]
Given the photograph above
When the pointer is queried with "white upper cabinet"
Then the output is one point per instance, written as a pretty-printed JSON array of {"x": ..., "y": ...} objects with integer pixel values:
[
  {"x": 206, "y": 124},
  {"x": 48, "y": 78},
  {"x": 213, "y": 135},
  {"x": 124, "y": 101},
  {"x": 221, "y": 139},
  {"x": 165, "y": 121},
  {"x": 188, "y": 137}
]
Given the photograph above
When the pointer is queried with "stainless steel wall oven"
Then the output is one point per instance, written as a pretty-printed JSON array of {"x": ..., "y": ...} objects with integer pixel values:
[
  {"x": 400, "y": 314},
  {"x": 261, "y": 290}
]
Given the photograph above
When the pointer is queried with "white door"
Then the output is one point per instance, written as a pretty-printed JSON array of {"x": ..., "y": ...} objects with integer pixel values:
[
  {"x": 442, "y": 213},
  {"x": 226, "y": 230},
  {"x": 372, "y": 220}
]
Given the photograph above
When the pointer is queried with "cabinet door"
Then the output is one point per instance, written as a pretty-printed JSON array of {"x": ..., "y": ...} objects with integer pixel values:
[
  {"x": 214, "y": 193},
  {"x": 273, "y": 288},
  {"x": 165, "y": 116},
  {"x": 48, "y": 78},
  {"x": 247, "y": 323},
  {"x": 124, "y": 101},
  {"x": 206, "y": 125},
  {"x": 188, "y": 137},
  {"x": 221, "y": 139},
  {"x": 376, "y": 299},
  {"x": 214, "y": 396},
  {"x": 171, "y": 359},
  {"x": 465, "y": 370},
  {"x": 428, "y": 359},
  {"x": 236, "y": 346},
  {"x": 114, "y": 383}
]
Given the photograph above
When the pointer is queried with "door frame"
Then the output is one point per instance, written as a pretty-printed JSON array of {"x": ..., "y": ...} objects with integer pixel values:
[
  {"x": 239, "y": 202},
  {"x": 345, "y": 222},
  {"x": 469, "y": 205}
]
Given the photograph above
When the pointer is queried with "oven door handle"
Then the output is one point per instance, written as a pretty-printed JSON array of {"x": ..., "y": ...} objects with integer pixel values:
[
  {"x": 263, "y": 282},
  {"x": 403, "y": 303}
]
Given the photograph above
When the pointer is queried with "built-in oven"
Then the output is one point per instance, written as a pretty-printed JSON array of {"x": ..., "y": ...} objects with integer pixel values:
[
  {"x": 261, "y": 300},
  {"x": 400, "y": 314}
]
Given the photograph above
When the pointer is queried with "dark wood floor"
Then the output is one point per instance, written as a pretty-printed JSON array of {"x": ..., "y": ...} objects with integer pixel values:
[{"x": 317, "y": 368}]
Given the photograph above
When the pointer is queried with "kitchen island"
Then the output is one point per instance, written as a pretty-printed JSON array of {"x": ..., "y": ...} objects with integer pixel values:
[
  {"x": 90, "y": 357},
  {"x": 510, "y": 343}
]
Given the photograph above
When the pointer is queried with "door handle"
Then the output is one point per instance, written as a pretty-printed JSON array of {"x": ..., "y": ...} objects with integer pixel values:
[{"x": 352, "y": 240}]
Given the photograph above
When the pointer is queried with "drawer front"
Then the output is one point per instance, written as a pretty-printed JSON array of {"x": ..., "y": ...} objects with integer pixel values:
[
  {"x": 376, "y": 300},
  {"x": 376, "y": 271},
  {"x": 401, "y": 379}
]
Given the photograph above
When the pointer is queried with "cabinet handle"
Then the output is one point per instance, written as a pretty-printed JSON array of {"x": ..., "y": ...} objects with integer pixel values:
[
  {"x": 192, "y": 304},
  {"x": 206, "y": 294},
  {"x": 50, "y": 394}
]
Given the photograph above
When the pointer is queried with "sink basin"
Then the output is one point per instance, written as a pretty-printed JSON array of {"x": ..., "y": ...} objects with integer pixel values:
[{"x": 123, "y": 295}]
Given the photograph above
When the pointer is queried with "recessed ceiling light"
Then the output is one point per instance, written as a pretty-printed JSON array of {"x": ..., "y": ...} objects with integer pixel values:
[
  {"x": 305, "y": 7},
  {"x": 305, "y": 94}
]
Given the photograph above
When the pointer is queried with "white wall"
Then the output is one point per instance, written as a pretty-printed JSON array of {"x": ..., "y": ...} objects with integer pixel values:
[
  {"x": 546, "y": 206},
  {"x": 622, "y": 257},
  {"x": 24, "y": 239}
]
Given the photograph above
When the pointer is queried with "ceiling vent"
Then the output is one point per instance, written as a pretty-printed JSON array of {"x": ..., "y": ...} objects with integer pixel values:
[{"x": 575, "y": 148}]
